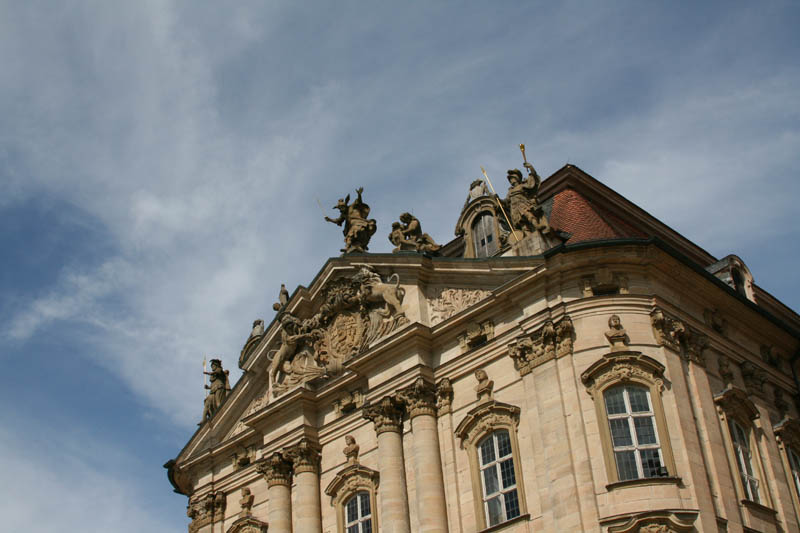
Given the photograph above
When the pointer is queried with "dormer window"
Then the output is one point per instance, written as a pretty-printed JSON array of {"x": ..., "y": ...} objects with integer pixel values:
[{"x": 483, "y": 235}]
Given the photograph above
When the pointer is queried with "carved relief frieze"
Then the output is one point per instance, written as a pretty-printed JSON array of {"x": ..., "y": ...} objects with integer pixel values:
[
  {"x": 348, "y": 402},
  {"x": 548, "y": 342},
  {"x": 476, "y": 335},
  {"x": 446, "y": 302},
  {"x": 356, "y": 311},
  {"x": 622, "y": 367},
  {"x": 677, "y": 336}
]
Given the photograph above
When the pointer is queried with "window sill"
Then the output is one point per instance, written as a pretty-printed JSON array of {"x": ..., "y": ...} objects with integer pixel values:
[
  {"x": 645, "y": 481},
  {"x": 503, "y": 525},
  {"x": 759, "y": 507}
]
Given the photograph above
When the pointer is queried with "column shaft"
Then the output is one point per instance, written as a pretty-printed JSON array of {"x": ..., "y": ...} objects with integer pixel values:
[
  {"x": 431, "y": 501},
  {"x": 307, "y": 507},
  {"x": 393, "y": 492},
  {"x": 280, "y": 508}
]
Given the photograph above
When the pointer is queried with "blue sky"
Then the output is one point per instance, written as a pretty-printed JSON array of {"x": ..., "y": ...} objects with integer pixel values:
[{"x": 159, "y": 163}]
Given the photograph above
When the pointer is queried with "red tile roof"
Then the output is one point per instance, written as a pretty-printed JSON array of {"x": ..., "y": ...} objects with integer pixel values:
[{"x": 574, "y": 214}]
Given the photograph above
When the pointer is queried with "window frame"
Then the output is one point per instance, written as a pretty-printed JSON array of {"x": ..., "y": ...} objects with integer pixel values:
[
  {"x": 484, "y": 226},
  {"x": 787, "y": 434},
  {"x": 734, "y": 405},
  {"x": 495, "y": 464},
  {"x": 629, "y": 368},
  {"x": 484, "y": 420},
  {"x": 360, "y": 519},
  {"x": 349, "y": 482}
]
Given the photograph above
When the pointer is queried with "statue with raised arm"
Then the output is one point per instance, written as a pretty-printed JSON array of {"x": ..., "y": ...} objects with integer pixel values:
[
  {"x": 218, "y": 388},
  {"x": 412, "y": 230},
  {"x": 524, "y": 209},
  {"x": 358, "y": 229}
]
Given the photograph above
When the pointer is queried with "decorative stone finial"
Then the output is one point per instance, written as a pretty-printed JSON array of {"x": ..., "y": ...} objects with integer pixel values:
[
  {"x": 351, "y": 450},
  {"x": 616, "y": 334},
  {"x": 358, "y": 229},
  {"x": 484, "y": 387},
  {"x": 218, "y": 388}
]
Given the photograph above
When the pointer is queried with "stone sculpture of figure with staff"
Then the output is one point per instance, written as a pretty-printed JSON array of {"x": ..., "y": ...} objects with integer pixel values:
[
  {"x": 523, "y": 205},
  {"x": 217, "y": 389},
  {"x": 358, "y": 229}
]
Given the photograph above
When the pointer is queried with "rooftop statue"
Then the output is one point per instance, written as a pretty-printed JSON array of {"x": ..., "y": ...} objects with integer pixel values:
[
  {"x": 218, "y": 388},
  {"x": 523, "y": 206},
  {"x": 407, "y": 235},
  {"x": 358, "y": 229}
]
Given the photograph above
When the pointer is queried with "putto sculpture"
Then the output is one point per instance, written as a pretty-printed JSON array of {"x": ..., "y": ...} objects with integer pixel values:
[
  {"x": 218, "y": 388},
  {"x": 358, "y": 229},
  {"x": 407, "y": 235}
]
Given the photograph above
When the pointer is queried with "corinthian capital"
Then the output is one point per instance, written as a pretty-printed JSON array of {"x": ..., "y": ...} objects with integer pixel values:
[
  {"x": 276, "y": 470},
  {"x": 419, "y": 398},
  {"x": 305, "y": 456},
  {"x": 386, "y": 413}
]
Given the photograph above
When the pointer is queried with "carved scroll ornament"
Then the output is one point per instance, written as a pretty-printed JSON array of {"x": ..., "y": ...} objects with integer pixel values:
[
  {"x": 677, "y": 336},
  {"x": 447, "y": 302},
  {"x": 623, "y": 367},
  {"x": 550, "y": 341}
]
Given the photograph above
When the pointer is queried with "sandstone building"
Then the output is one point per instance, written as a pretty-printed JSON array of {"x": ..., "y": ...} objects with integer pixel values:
[{"x": 566, "y": 363}]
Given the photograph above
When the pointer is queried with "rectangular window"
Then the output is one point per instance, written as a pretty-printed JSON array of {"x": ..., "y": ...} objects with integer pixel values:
[
  {"x": 744, "y": 460},
  {"x": 794, "y": 464},
  {"x": 358, "y": 515},
  {"x": 637, "y": 451},
  {"x": 501, "y": 502}
]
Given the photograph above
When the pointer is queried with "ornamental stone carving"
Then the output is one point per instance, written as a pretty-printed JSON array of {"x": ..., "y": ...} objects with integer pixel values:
[
  {"x": 407, "y": 236},
  {"x": 358, "y": 229},
  {"x": 419, "y": 398},
  {"x": 770, "y": 356},
  {"x": 733, "y": 401},
  {"x": 616, "y": 334},
  {"x": 386, "y": 414},
  {"x": 356, "y": 311},
  {"x": 657, "y": 522},
  {"x": 248, "y": 524},
  {"x": 485, "y": 418},
  {"x": 246, "y": 502},
  {"x": 348, "y": 402},
  {"x": 677, "y": 336},
  {"x": 205, "y": 510},
  {"x": 477, "y": 334},
  {"x": 604, "y": 282},
  {"x": 218, "y": 388},
  {"x": 484, "y": 387},
  {"x": 276, "y": 469},
  {"x": 787, "y": 431},
  {"x": 447, "y": 302},
  {"x": 780, "y": 402},
  {"x": 350, "y": 480},
  {"x": 623, "y": 367},
  {"x": 754, "y": 377},
  {"x": 305, "y": 456},
  {"x": 725, "y": 371},
  {"x": 444, "y": 396},
  {"x": 351, "y": 450},
  {"x": 545, "y": 344},
  {"x": 715, "y": 320}
]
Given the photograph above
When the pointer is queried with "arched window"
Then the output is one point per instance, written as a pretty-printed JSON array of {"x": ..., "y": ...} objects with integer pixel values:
[
  {"x": 483, "y": 235},
  {"x": 358, "y": 513},
  {"x": 631, "y": 420},
  {"x": 740, "y": 438},
  {"x": 498, "y": 478}
]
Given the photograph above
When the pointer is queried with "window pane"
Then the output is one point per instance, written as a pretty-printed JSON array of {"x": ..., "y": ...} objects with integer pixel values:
[
  {"x": 352, "y": 529},
  {"x": 645, "y": 432},
  {"x": 615, "y": 404},
  {"x": 495, "y": 510},
  {"x": 490, "y": 480},
  {"x": 503, "y": 443},
  {"x": 487, "y": 451},
  {"x": 507, "y": 473},
  {"x": 620, "y": 432},
  {"x": 366, "y": 526},
  {"x": 512, "y": 504},
  {"x": 626, "y": 465},
  {"x": 651, "y": 462},
  {"x": 364, "y": 497},
  {"x": 352, "y": 509},
  {"x": 638, "y": 399}
]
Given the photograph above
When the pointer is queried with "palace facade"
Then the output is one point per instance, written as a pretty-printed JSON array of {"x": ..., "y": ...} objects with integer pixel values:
[{"x": 566, "y": 363}]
